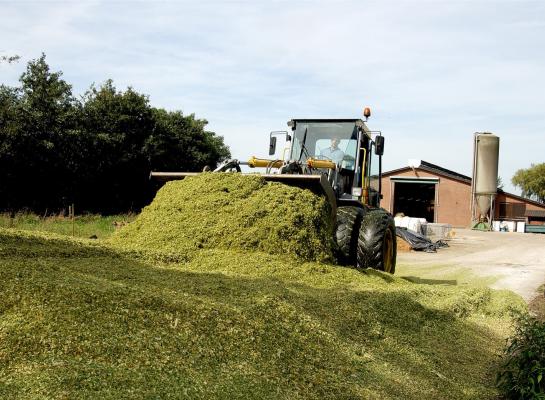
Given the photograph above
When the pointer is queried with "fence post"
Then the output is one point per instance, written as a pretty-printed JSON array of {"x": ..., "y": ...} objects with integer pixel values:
[
  {"x": 11, "y": 218},
  {"x": 73, "y": 217}
]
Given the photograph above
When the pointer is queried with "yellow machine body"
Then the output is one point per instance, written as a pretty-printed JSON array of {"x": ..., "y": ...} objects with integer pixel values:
[
  {"x": 326, "y": 164},
  {"x": 264, "y": 163}
]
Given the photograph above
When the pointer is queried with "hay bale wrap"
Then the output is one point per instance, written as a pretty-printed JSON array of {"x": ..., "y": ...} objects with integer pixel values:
[{"x": 233, "y": 211}]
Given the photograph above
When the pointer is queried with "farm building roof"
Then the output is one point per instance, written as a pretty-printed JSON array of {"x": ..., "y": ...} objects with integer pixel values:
[{"x": 433, "y": 168}]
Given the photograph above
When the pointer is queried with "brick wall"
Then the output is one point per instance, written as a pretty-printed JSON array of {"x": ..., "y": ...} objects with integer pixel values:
[{"x": 452, "y": 197}]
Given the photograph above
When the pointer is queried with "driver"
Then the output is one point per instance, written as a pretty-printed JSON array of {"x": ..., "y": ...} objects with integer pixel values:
[{"x": 333, "y": 152}]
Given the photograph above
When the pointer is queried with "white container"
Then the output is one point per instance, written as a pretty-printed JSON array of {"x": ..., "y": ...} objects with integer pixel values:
[
  {"x": 511, "y": 226},
  {"x": 496, "y": 226},
  {"x": 436, "y": 231},
  {"x": 521, "y": 226},
  {"x": 414, "y": 225},
  {"x": 402, "y": 222}
]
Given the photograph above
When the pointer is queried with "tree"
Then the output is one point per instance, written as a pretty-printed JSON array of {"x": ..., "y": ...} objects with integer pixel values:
[
  {"x": 115, "y": 172},
  {"x": 49, "y": 113},
  {"x": 10, "y": 130},
  {"x": 9, "y": 59},
  {"x": 33, "y": 149},
  {"x": 531, "y": 181},
  {"x": 129, "y": 138},
  {"x": 182, "y": 143},
  {"x": 97, "y": 152}
]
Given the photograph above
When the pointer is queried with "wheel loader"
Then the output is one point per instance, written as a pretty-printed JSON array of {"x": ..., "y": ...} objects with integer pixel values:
[{"x": 340, "y": 159}]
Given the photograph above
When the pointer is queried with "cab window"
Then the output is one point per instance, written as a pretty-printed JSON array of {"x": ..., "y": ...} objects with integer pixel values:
[{"x": 344, "y": 154}]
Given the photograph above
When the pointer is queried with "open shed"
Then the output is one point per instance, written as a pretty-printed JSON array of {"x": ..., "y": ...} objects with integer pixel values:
[{"x": 426, "y": 190}]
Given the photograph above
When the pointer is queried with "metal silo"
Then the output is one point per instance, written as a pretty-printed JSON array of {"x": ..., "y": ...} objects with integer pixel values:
[{"x": 486, "y": 148}]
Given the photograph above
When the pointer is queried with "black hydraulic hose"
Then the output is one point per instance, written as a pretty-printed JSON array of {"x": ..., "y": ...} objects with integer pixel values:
[
  {"x": 379, "y": 178},
  {"x": 303, "y": 144},
  {"x": 270, "y": 165}
]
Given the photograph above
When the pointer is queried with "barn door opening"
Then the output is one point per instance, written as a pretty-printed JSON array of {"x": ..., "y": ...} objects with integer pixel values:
[{"x": 415, "y": 199}]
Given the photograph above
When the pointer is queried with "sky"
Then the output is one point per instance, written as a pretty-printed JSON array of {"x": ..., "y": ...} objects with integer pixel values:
[{"x": 433, "y": 72}]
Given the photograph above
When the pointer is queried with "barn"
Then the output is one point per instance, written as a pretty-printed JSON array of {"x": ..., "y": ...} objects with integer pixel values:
[{"x": 426, "y": 190}]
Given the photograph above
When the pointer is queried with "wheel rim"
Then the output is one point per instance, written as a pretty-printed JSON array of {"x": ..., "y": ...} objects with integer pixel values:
[{"x": 388, "y": 251}]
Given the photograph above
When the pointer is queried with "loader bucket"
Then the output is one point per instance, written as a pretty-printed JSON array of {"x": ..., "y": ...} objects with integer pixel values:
[
  {"x": 170, "y": 176},
  {"x": 318, "y": 184}
]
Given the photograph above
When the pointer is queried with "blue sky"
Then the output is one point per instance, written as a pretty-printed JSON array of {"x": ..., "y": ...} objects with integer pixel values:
[{"x": 433, "y": 72}]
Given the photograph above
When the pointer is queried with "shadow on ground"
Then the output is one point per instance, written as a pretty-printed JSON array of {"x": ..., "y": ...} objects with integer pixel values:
[{"x": 423, "y": 281}]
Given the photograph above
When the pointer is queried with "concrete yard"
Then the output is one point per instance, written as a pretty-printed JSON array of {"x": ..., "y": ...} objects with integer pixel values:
[{"x": 501, "y": 260}]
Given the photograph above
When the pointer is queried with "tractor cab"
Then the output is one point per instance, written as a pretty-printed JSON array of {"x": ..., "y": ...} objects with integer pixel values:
[{"x": 342, "y": 149}]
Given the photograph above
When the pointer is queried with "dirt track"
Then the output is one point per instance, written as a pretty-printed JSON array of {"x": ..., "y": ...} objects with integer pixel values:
[{"x": 515, "y": 260}]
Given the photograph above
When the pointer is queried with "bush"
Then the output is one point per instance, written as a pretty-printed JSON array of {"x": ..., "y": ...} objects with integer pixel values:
[{"x": 522, "y": 373}]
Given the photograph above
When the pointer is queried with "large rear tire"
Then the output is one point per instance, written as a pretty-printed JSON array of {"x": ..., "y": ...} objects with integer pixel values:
[
  {"x": 377, "y": 246},
  {"x": 346, "y": 235}
]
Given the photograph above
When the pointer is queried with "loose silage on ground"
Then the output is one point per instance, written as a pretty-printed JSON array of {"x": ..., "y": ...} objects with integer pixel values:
[
  {"x": 79, "y": 319},
  {"x": 237, "y": 312},
  {"x": 233, "y": 211}
]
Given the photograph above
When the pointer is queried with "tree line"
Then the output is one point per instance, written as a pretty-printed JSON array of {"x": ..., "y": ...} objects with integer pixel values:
[{"x": 96, "y": 151}]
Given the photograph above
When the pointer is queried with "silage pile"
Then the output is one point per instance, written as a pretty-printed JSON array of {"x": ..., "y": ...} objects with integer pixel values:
[{"x": 234, "y": 212}]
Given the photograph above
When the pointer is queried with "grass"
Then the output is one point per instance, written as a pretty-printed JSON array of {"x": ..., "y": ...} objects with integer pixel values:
[
  {"x": 83, "y": 226},
  {"x": 82, "y": 319}
]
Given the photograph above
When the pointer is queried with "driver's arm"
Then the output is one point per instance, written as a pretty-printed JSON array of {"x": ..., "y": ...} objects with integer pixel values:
[
  {"x": 324, "y": 152},
  {"x": 339, "y": 155}
]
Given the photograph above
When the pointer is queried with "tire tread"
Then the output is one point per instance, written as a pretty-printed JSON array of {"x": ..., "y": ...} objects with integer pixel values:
[
  {"x": 371, "y": 236},
  {"x": 346, "y": 235}
]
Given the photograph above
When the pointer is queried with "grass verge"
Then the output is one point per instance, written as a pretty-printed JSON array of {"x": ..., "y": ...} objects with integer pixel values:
[{"x": 83, "y": 226}]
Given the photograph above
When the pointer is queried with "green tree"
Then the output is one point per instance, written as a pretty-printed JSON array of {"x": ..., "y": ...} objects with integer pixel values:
[
  {"x": 531, "y": 181},
  {"x": 10, "y": 130},
  {"x": 182, "y": 143},
  {"x": 129, "y": 138},
  {"x": 34, "y": 151},
  {"x": 9, "y": 59},
  {"x": 97, "y": 152},
  {"x": 116, "y": 125},
  {"x": 49, "y": 114}
]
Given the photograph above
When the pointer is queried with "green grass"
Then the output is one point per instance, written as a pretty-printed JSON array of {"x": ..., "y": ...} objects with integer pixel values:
[
  {"x": 83, "y": 226},
  {"x": 84, "y": 319}
]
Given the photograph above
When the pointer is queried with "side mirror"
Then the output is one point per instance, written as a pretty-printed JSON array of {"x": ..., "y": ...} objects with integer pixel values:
[
  {"x": 272, "y": 146},
  {"x": 379, "y": 145}
]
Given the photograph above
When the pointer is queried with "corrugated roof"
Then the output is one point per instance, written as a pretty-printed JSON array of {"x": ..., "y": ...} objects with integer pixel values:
[{"x": 444, "y": 171}]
